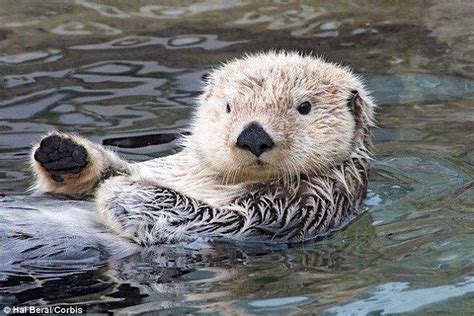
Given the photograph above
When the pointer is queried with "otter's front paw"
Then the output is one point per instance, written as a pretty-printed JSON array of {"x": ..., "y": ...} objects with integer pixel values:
[{"x": 60, "y": 156}]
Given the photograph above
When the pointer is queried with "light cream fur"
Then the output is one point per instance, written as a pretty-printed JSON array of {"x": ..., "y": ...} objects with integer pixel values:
[{"x": 268, "y": 88}]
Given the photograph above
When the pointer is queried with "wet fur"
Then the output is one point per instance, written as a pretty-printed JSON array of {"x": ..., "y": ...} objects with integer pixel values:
[{"x": 312, "y": 182}]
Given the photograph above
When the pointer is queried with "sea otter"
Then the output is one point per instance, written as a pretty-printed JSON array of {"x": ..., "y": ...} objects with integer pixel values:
[{"x": 279, "y": 151}]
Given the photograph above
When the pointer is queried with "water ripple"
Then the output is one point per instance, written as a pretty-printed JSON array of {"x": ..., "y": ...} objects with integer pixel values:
[
  {"x": 207, "y": 42},
  {"x": 43, "y": 56},
  {"x": 81, "y": 29},
  {"x": 397, "y": 297}
]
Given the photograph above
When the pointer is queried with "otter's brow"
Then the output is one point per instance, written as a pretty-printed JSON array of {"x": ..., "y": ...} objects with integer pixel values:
[{"x": 299, "y": 96}]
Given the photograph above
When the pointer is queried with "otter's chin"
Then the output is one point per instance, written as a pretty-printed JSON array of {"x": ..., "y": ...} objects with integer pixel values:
[
  {"x": 259, "y": 164},
  {"x": 257, "y": 170}
]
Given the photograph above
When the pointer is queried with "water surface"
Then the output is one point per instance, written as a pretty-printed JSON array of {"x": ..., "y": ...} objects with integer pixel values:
[{"x": 126, "y": 75}]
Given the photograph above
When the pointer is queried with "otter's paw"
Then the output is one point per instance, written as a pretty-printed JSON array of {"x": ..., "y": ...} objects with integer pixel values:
[{"x": 61, "y": 156}]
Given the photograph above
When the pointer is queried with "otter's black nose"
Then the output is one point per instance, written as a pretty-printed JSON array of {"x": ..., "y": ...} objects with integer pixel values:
[{"x": 255, "y": 139}]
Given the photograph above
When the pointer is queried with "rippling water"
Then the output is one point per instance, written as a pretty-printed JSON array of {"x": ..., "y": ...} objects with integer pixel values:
[{"x": 126, "y": 74}]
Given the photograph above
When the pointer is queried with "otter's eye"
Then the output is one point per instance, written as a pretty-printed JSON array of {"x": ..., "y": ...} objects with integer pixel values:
[
  {"x": 227, "y": 108},
  {"x": 304, "y": 108}
]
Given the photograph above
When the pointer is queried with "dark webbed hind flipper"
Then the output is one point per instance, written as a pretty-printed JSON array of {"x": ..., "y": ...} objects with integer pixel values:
[{"x": 61, "y": 156}]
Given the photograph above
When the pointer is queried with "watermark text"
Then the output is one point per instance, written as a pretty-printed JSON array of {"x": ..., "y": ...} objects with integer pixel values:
[{"x": 43, "y": 310}]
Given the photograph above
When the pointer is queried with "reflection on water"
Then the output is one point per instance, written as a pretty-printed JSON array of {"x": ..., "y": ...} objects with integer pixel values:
[
  {"x": 207, "y": 42},
  {"x": 126, "y": 74},
  {"x": 44, "y": 56},
  {"x": 395, "y": 297}
]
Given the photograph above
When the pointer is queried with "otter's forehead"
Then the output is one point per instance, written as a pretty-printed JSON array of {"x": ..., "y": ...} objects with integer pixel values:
[{"x": 278, "y": 75}]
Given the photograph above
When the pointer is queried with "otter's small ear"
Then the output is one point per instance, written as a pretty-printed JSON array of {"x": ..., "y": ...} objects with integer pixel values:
[
  {"x": 355, "y": 104},
  {"x": 352, "y": 101}
]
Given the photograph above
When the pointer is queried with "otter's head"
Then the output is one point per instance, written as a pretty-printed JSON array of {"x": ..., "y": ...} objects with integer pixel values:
[{"x": 279, "y": 114}]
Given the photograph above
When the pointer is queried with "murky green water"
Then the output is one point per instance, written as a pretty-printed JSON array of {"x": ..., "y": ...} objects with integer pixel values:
[{"x": 124, "y": 73}]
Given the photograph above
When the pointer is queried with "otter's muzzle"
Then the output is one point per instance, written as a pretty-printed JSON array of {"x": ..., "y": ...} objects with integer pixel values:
[{"x": 255, "y": 139}]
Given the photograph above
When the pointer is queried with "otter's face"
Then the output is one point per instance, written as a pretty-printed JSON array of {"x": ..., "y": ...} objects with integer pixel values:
[{"x": 276, "y": 115}]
